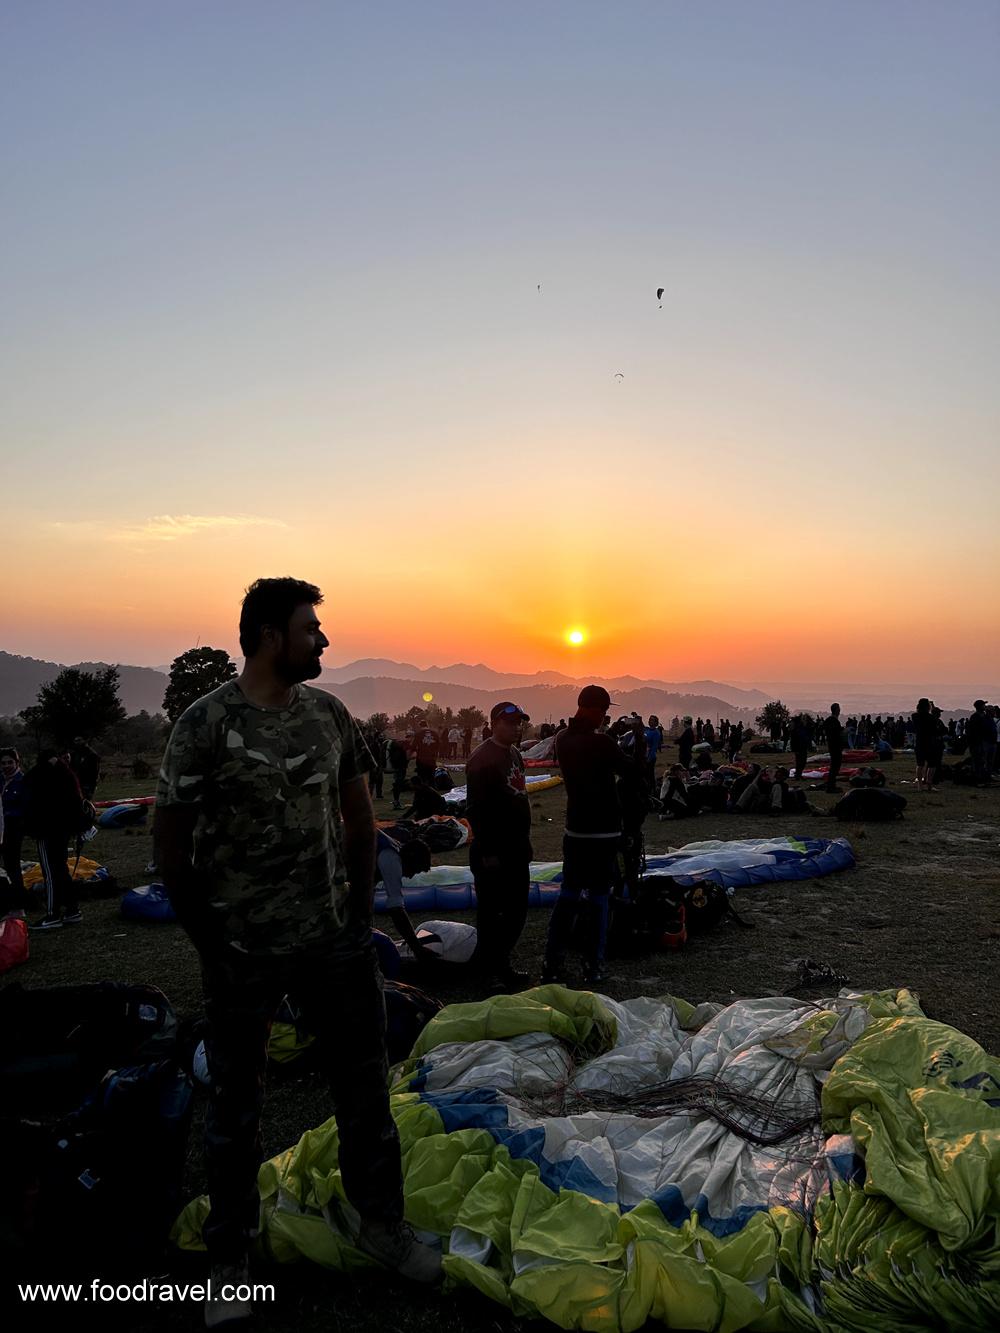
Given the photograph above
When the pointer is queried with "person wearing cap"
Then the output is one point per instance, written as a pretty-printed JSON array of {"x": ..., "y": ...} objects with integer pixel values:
[
  {"x": 500, "y": 815},
  {"x": 590, "y": 762},
  {"x": 981, "y": 733}
]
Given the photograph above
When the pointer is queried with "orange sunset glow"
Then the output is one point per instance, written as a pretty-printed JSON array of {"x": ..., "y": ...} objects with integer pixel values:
[{"x": 491, "y": 441}]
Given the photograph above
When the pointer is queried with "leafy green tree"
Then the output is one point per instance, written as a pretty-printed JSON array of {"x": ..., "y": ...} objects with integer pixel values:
[
  {"x": 76, "y": 703},
  {"x": 773, "y": 717},
  {"x": 408, "y": 719},
  {"x": 195, "y": 673},
  {"x": 471, "y": 717},
  {"x": 139, "y": 733}
]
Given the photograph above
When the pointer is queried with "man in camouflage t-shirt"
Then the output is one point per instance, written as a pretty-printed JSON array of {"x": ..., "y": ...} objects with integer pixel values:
[{"x": 266, "y": 840}]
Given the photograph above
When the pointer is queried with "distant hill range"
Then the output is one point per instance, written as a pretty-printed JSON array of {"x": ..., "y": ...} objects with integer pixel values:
[
  {"x": 379, "y": 685},
  {"x": 376, "y": 685},
  {"x": 22, "y": 677}
]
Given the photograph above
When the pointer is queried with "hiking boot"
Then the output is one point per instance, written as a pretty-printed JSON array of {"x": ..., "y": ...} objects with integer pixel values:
[
  {"x": 228, "y": 1301},
  {"x": 49, "y": 922},
  {"x": 72, "y": 918},
  {"x": 395, "y": 1246}
]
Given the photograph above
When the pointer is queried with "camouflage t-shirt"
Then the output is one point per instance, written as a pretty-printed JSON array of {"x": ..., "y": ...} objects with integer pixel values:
[{"x": 268, "y": 839}]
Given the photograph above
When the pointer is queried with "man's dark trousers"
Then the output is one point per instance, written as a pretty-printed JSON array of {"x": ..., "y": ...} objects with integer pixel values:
[
  {"x": 501, "y": 905},
  {"x": 341, "y": 1003}
]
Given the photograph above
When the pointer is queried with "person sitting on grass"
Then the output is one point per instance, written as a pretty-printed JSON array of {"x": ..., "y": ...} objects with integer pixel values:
[
  {"x": 395, "y": 862},
  {"x": 425, "y": 802},
  {"x": 674, "y": 794},
  {"x": 786, "y": 800}
]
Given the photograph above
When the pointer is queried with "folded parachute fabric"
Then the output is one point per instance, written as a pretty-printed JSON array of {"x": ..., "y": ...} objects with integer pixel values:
[
  {"x": 442, "y": 833},
  {"x": 125, "y": 800},
  {"x": 730, "y": 864},
  {"x": 765, "y": 1165},
  {"x": 84, "y": 871},
  {"x": 123, "y": 816},
  {"x": 148, "y": 903},
  {"x": 733, "y": 864},
  {"x": 533, "y": 783}
]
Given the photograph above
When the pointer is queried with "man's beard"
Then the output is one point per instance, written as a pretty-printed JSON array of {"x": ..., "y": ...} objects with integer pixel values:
[{"x": 293, "y": 673}]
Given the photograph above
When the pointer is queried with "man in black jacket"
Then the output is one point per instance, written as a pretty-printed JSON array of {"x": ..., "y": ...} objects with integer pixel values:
[
  {"x": 834, "y": 731},
  {"x": 54, "y": 815},
  {"x": 685, "y": 745},
  {"x": 590, "y": 762},
  {"x": 500, "y": 855},
  {"x": 981, "y": 733}
]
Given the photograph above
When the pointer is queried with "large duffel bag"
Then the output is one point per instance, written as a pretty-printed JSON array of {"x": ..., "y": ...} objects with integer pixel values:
[
  {"x": 871, "y": 803},
  {"x": 58, "y": 1040}
]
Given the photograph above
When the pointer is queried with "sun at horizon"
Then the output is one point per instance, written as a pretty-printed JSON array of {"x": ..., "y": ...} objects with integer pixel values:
[{"x": 576, "y": 637}]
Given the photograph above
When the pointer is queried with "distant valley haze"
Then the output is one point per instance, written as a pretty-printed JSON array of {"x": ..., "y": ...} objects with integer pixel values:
[{"x": 369, "y": 685}]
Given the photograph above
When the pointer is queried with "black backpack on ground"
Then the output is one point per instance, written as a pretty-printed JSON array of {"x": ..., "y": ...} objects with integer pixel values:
[
  {"x": 877, "y": 804},
  {"x": 868, "y": 777},
  {"x": 662, "y": 908},
  {"x": 106, "y": 1181},
  {"x": 408, "y": 1010},
  {"x": 57, "y": 1040}
]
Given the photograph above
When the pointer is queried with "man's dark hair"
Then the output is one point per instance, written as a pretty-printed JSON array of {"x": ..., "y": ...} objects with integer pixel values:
[
  {"x": 415, "y": 857},
  {"x": 272, "y": 602},
  {"x": 8, "y": 752}
]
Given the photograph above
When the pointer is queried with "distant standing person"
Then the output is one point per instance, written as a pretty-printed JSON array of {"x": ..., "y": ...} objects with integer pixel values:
[
  {"x": 54, "y": 815},
  {"x": 500, "y": 855},
  {"x": 266, "y": 842},
  {"x": 799, "y": 742},
  {"x": 86, "y": 764},
  {"x": 399, "y": 761},
  {"x": 981, "y": 733},
  {"x": 654, "y": 742},
  {"x": 735, "y": 741},
  {"x": 466, "y": 742},
  {"x": 685, "y": 745},
  {"x": 590, "y": 762},
  {"x": 14, "y": 802},
  {"x": 426, "y": 745},
  {"x": 454, "y": 741},
  {"x": 833, "y": 730},
  {"x": 925, "y": 732}
]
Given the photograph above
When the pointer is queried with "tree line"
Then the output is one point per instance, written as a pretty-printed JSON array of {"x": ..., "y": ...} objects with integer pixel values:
[{"x": 87, "y": 704}]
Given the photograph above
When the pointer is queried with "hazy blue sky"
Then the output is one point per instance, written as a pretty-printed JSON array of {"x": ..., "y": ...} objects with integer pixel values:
[{"x": 276, "y": 267}]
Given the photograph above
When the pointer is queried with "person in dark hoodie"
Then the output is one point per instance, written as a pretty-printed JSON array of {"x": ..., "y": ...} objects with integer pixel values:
[
  {"x": 685, "y": 745},
  {"x": 798, "y": 743},
  {"x": 12, "y": 785},
  {"x": 500, "y": 856},
  {"x": 54, "y": 815},
  {"x": 590, "y": 763}
]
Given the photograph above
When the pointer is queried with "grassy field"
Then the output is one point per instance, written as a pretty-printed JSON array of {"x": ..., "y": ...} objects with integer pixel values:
[{"x": 922, "y": 910}]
